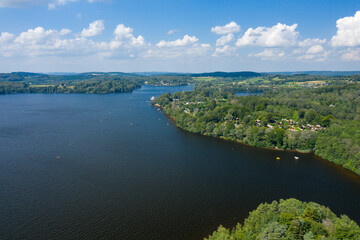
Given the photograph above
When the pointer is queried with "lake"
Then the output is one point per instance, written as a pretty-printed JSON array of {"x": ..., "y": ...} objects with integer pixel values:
[
  {"x": 92, "y": 166},
  {"x": 247, "y": 93}
]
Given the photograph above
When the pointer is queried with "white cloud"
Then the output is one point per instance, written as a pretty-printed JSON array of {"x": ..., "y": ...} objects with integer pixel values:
[
  {"x": 222, "y": 50},
  {"x": 172, "y": 31},
  {"x": 315, "y": 53},
  {"x": 52, "y": 4},
  {"x": 186, "y": 46},
  {"x": 313, "y": 57},
  {"x": 315, "y": 49},
  {"x": 124, "y": 34},
  {"x": 231, "y": 27},
  {"x": 351, "y": 55},
  {"x": 42, "y": 42},
  {"x": 185, "y": 41},
  {"x": 311, "y": 42},
  {"x": 269, "y": 54},
  {"x": 311, "y": 49},
  {"x": 95, "y": 28},
  {"x": 225, "y": 50},
  {"x": 280, "y": 35},
  {"x": 56, "y": 3},
  {"x": 6, "y": 37},
  {"x": 278, "y": 42},
  {"x": 20, "y": 3},
  {"x": 65, "y": 31},
  {"x": 319, "y": 56},
  {"x": 179, "y": 51},
  {"x": 348, "y": 33},
  {"x": 225, "y": 39},
  {"x": 36, "y": 36}
]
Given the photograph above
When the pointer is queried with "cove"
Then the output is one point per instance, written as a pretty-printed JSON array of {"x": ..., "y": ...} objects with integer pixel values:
[{"x": 90, "y": 166}]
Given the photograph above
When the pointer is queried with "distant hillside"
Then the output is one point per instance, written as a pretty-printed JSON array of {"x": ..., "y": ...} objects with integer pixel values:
[
  {"x": 119, "y": 74},
  {"x": 227, "y": 74},
  {"x": 19, "y": 76},
  {"x": 23, "y": 76},
  {"x": 61, "y": 73},
  {"x": 150, "y": 74},
  {"x": 319, "y": 73},
  {"x": 207, "y": 74},
  {"x": 26, "y": 74}
]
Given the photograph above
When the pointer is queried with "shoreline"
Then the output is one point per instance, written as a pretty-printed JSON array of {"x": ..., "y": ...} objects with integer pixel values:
[{"x": 346, "y": 170}]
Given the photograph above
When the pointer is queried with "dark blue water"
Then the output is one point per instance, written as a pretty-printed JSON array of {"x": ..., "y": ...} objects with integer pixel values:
[
  {"x": 247, "y": 93},
  {"x": 112, "y": 166}
]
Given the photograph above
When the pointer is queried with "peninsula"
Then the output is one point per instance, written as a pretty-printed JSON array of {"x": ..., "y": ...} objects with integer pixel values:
[{"x": 308, "y": 113}]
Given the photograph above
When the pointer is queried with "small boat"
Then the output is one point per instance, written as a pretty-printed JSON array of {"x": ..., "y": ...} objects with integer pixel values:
[
  {"x": 296, "y": 157},
  {"x": 277, "y": 158},
  {"x": 152, "y": 98}
]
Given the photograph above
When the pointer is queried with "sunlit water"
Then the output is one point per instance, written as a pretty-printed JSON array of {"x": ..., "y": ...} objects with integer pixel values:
[{"x": 81, "y": 166}]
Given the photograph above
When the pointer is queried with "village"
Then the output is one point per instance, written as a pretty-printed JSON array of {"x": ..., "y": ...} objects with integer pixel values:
[
  {"x": 286, "y": 124},
  {"x": 289, "y": 124}
]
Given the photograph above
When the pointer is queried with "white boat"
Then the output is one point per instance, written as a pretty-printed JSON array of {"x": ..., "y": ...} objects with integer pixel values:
[
  {"x": 152, "y": 98},
  {"x": 296, "y": 158}
]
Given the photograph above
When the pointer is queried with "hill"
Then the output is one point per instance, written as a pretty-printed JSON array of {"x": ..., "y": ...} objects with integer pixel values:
[{"x": 227, "y": 74}]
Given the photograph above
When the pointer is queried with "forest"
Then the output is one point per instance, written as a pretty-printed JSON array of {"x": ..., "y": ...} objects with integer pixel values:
[
  {"x": 323, "y": 120},
  {"x": 84, "y": 86},
  {"x": 293, "y": 220},
  {"x": 22, "y": 82}
]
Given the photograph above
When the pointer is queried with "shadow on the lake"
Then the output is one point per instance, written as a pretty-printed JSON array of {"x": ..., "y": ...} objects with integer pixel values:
[{"x": 249, "y": 148}]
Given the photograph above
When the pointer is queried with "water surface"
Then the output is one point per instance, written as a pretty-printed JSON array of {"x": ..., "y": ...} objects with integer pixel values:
[
  {"x": 247, "y": 93},
  {"x": 88, "y": 166}
]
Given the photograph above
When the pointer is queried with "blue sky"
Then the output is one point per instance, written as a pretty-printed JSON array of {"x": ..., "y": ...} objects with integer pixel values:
[{"x": 179, "y": 36}]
